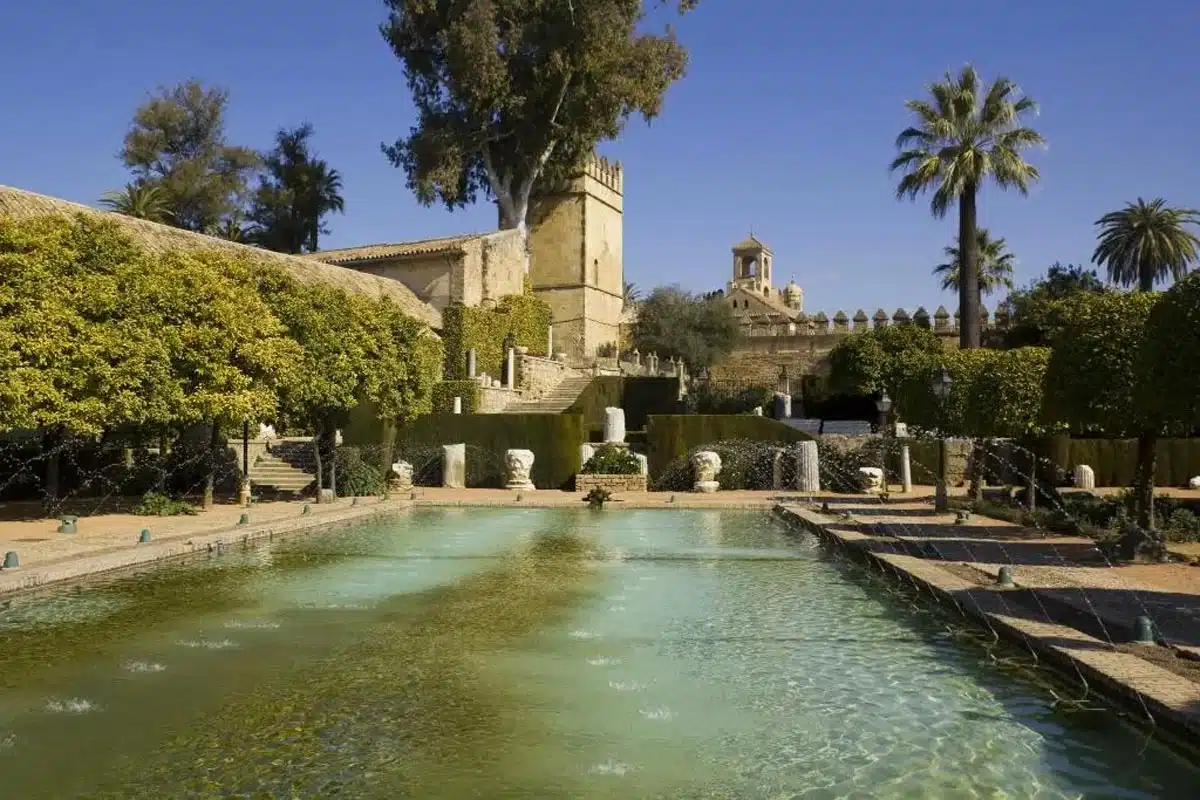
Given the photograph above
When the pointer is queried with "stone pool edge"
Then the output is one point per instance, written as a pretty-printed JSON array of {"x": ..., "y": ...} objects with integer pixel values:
[
  {"x": 1173, "y": 701},
  {"x": 182, "y": 546}
]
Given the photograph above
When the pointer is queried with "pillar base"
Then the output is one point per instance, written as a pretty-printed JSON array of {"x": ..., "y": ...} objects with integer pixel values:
[{"x": 706, "y": 487}]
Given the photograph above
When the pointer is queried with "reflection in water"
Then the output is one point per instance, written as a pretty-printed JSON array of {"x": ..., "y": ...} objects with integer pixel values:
[{"x": 718, "y": 658}]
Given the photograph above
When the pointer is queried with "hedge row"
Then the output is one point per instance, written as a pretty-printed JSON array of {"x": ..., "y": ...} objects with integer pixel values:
[
  {"x": 555, "y": 440},
  {"x": 525, "y": 317},
  {"x": 669, "y": 437},
  {"x": 640, "y": 397}
]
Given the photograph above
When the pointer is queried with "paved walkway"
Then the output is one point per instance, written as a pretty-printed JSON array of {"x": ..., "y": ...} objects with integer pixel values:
[
  {"x": 916, "y": 543},
  {"x": 1062, "y": 570}
]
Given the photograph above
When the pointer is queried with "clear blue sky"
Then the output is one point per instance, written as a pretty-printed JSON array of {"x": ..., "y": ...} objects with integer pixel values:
[{"x": 784, "y": 123}]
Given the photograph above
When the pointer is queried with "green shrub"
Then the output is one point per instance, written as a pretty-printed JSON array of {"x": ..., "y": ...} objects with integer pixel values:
[
  {"x": 639, "y": 396},
  {"x": 525, "y": 317},
  {"x": 356, "y": 477},
  {"x": 1182, "y": 526},
  {"x": 160, "y": 505},
  {"x": 611, "y": 460},
  {"x": 745, "y": 464},
  {"x": 839, "y": 466},
  {"x": 597, "y": 497}
]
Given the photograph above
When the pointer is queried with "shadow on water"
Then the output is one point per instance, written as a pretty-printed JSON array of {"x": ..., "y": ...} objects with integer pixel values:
[{"x": 405, "y": 709}]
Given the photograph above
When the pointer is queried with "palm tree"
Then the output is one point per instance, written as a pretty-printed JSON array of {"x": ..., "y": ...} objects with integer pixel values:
[
  {"x": 1145, "y": 243},
  {"x": 295, "y": 193},
  {"x": 963, "y": 135},
  {"x": 141, "y": 200},
  {"x": 995, "y": 265},
  {"x": 632, "y": 294},
  {"x": 322, "y": 196},
  {"x": 1142, "y": 244}
]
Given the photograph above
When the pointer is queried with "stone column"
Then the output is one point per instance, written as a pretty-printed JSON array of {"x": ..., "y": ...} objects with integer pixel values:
[
  {"x": 808, "y": 469},
  {"x": 518, "y": 466},
  {"x": 706, "y": 466},
  {"x": 643, "y": 463},
  {"x": 905, "y": 468},
  {"x": 471, "y": 363},
  {"x": 586, "y": 451},
  {"x": 614, "y": 425},
  {"x": 1084, "y": 477},
  {"x": 783, "y": 406},
  {"x": 510, "y": 369},
  {"x": 757, "y": 411},
  {"x": 457, "y": 405},
  {"x": 454, "y": 466},
  {"x": 550, "y": 341}
]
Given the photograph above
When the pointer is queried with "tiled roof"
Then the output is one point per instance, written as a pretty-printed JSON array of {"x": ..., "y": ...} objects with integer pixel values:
[
  {"x": 20, "y": 204},
  {"x": 449, "y": 245}
]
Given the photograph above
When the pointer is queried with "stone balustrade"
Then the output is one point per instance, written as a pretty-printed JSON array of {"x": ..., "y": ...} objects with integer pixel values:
[{"x": 941, "y": 322}]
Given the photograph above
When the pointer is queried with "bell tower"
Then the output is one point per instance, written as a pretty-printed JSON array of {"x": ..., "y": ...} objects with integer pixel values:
[
  {"x": 576, "y": 259},
  {"x": 752, "y": 265}
]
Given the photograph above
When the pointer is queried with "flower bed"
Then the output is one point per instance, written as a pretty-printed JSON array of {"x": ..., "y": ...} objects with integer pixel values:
[{"x": 613, "y": 483}]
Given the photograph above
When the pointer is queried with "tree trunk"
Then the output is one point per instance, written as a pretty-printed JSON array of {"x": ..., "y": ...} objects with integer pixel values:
[
  {"x": 318, "y": 443},
  {"x": 968, "y": 278},
  {"x": 210, "y": 480},
  {"x": 514, "y": 217},
  {"x": 1147, "y": 452},
  {"x": 52, "y": 441},
  {"x": 333, "y": 462}
]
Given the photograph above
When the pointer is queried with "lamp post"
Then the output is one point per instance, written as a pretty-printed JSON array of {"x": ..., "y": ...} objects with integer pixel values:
[
  {"x": 884, "y": 405},
  {"x": 941, "y": 390}
]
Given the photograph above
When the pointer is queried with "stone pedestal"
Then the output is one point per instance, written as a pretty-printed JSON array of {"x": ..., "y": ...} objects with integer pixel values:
[
  {"x": 757, "y": 411},
  {"x": 244, "y": 492},
  {"x": 783, "y": 406},
  {"x": 326, "y": 496},
  {"x": 706, "y": 466},
  {"x": 906, "y": 468},
  {"x": 457, "y": 405},
  {"x": 1084, "y": 477},
  {"x": 471, "y": 363},
  {"x": 643, "y": 463},
  {"x": 454, "y": 466},
  {"x": 586, "y": 451},
  {"x": 518, "y": 465},
  {"x": 510, "y": 369},
  {"x": 874, "y": 476},
  {"x": 401, "y": 476},
  {"x": 808, "y": 470},
  {"x": 614, "y": 425}
]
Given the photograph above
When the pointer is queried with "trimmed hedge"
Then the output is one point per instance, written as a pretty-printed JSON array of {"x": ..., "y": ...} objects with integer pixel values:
[
  {"x": 669, "y": 437},
  {"x": 555, "y": 440},
  {"x": 445, "y": 392},
  {"x": 526, "y": 317},
  {"x": 639, "y": 396}
]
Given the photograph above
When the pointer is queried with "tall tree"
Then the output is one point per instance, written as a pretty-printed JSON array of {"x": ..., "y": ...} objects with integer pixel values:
[
  {"x": 1038, "y": 311},
  {"x": 139, "y": 200},
  {"x": 631, "y": 295},
  {"x": 296, "y": 192},
  {"x": 177, "y": 142},
  {"x": 1145, "y": 243},
  {"x": 964, "y": 134},
  {"x": 510, "y": 93},
  {"x": 677, "y": 324},
  {"x": 995, "y": 265}
]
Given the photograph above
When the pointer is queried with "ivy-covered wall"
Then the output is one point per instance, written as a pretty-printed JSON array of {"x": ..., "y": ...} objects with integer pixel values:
[
  {"x": 670, "y": 436},
  {"x": 555, "y": 440},
  {"x": 526, "y": 317}
]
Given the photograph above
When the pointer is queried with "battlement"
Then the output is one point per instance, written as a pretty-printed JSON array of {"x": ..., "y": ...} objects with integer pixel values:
[
  {"x": 941, "y": 322},
  {"x": 607, "y": 173}
]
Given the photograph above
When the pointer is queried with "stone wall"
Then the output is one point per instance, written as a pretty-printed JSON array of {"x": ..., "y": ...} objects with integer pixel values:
[
  {"x": 613, "y": 483},
  {"x": 494, "y": 401},
  {"x": 537, "y": 376}
]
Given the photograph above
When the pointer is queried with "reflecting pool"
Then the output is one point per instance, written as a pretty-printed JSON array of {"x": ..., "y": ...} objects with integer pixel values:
[{"x": 525, "y": 653}]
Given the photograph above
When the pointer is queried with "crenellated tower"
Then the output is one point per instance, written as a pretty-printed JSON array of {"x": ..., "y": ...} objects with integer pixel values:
[{"x": 575, "y": 264}]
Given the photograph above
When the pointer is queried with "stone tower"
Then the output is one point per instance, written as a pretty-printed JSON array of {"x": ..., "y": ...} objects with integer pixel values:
[
  {"x": 575, "y": 259},
  {"x": 752, "y": 262}
]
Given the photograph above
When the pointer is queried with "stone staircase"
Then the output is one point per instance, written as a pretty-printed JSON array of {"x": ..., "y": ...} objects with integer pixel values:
[
  {"x": 288, "y": 468},
  {"x": 556, "y": 401}
]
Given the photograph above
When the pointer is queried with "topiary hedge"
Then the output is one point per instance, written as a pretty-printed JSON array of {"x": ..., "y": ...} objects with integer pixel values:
[
  {"x": 525, "y": 317},
  {"x": 670, "y": 436},
  {"x": 639, "y": 396},
  {"x": 555, "y": 440}
]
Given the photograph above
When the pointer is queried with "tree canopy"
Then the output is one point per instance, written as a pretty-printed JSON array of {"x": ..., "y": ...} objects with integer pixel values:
[
  {"x": 296, "y": 192},
  {"x": 510, "y": 93},
  {"x": 677, "y": 324},
  {"x": 1147, "y": 243},
  {"x": 1038, "y": 310},
  {"x": 964, "y": 134},
  {"x": 1168, "y": 380},
  {"x": 177, "y": 142}
]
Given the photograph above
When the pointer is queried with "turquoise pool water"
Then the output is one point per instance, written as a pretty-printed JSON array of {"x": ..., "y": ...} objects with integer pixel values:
[{"x": 533, "y": 653}]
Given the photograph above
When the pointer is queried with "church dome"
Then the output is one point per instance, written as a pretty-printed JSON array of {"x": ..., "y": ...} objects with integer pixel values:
[{"x": 792, "y": 294}]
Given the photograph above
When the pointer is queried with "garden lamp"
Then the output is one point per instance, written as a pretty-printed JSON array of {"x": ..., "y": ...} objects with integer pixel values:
[{"x": 884, "y": 403}]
